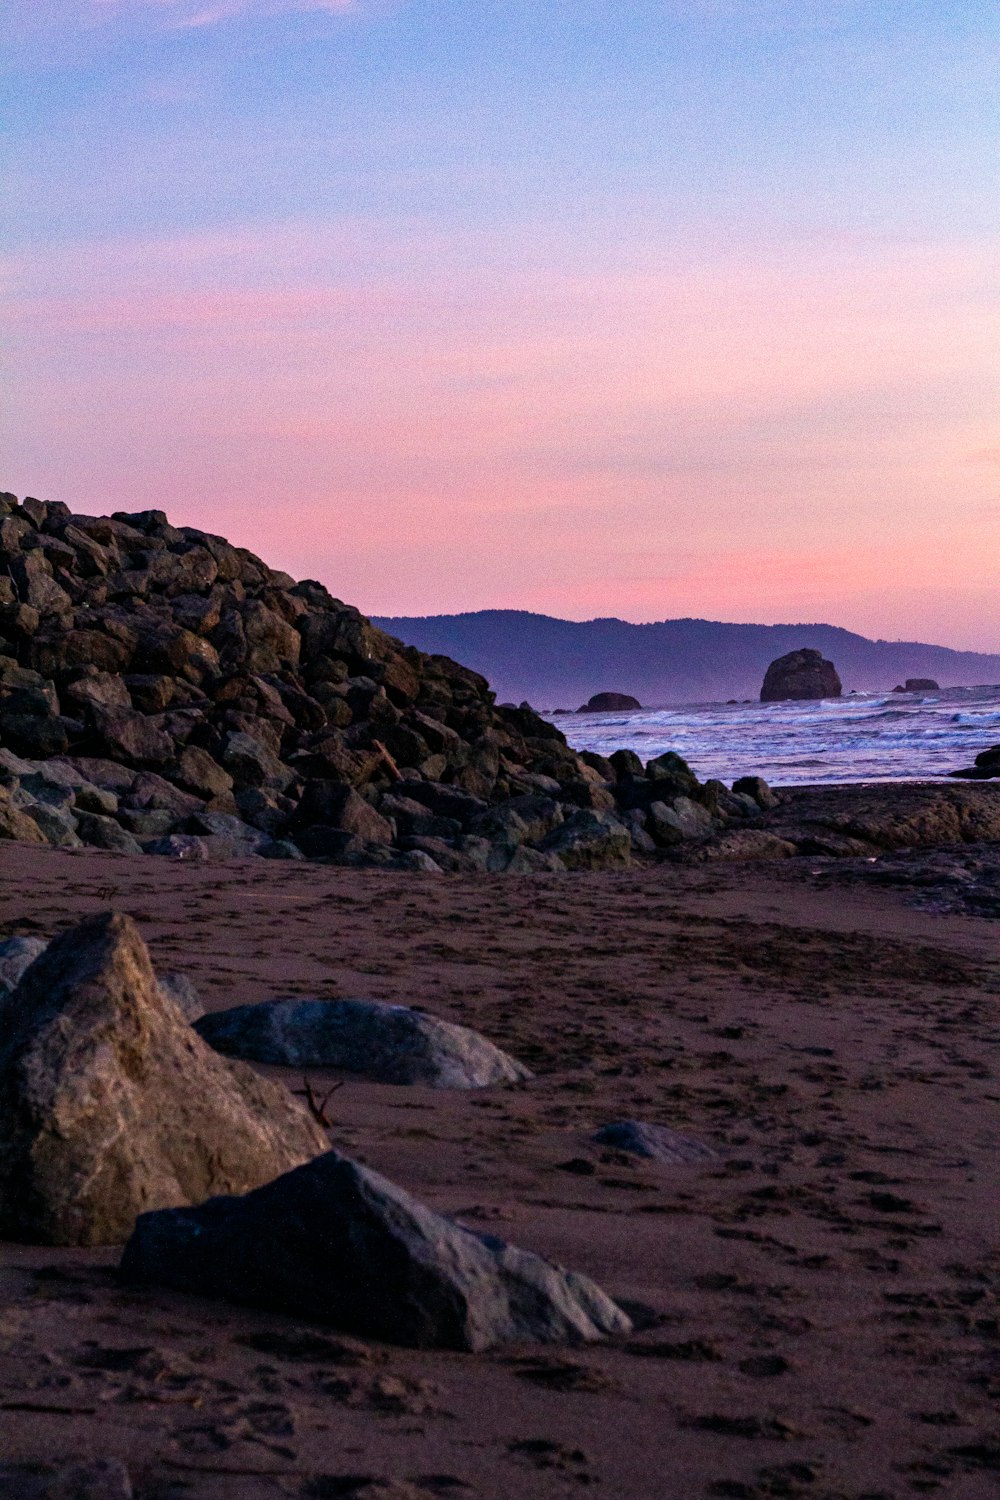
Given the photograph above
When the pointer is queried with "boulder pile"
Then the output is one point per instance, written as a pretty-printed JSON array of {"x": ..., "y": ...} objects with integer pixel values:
[{"x": 162, "y": 691}]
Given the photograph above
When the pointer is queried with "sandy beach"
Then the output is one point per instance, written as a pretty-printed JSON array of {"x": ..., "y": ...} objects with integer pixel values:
[{"x": 816, "y": 1309}]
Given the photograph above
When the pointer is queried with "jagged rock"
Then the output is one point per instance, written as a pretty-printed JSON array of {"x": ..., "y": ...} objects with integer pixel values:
[
  {"x": 655, "y": 1142},
  {"x": 17, "y": 954},
  {"x": 800, "y": 674},
  {"x": 683, "y": 819},
  {"x": 589, "y": 841},
  {"x": 111, "y": 1104},
  {"x": 390, "y": 1043},
  {"x": 604, "y": 703},
  {"x": 57, "y": 824},
  {"x": 15, "y": 824},
  {"x": 105, "y": 833},
  {"x": 337, "y": 1242}
]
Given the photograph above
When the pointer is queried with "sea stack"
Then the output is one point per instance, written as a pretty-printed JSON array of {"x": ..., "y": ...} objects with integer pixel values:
[
  {"x": 609, "y": 703},
  {"x": 800, "y": 674}
]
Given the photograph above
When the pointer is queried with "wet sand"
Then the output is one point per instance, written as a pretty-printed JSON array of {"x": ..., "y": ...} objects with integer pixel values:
[{"x": 817, "y": 1310}]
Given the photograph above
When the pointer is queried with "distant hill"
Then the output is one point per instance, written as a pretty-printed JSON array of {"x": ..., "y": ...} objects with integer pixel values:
[{"x": 561, "y": 663}]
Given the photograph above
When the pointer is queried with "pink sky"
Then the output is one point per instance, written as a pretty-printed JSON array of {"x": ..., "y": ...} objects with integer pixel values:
[{"x": 430, "y": 426}]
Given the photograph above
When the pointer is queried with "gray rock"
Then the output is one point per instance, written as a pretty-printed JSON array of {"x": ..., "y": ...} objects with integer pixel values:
[
  {"x": 589, "y": 841},
  {"x": 684, "y": 820},
  {"x": 655, "y": 1142},
  {"x": 337, "y": 1242},
  {"x": 180, "y": 846},
  {"x": 17, "y": 954},
  {"x": 57, "y": 823},
  {"x": 111, "y": 1104},
  {"x": 757, "y": 788},
  {"x": 182, "y": 991},
  {"x": 390, "y": 1043},
  {"x": 105, "y": 833}
]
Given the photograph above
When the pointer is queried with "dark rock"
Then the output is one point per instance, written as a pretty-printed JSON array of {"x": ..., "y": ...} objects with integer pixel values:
[
  {"x": 389, "y": 1043},
  {"x": 446, "y": 801},
  {"x": 131, "y": 737},
  {"x": 917, "y": 685},
  {"x": 106, "y": 833},
  {"x": 187, "y": 846},
  {"x": 682, "y": 819},
  {"x": 73, "y": 1479},
  {"x": 17, "y": 954},
  {"x": 337, "y": 1242},
  {"x": 626, "y": 763},
  {"x": 604, "y": 703},
  {"x": 110, "y": 1104},
  {"x": 800, "y": 674},
  {"x": 757, "y": 788},
  {"x": 655, "y": 1142},
  {"x": 335, "y": 805},
  {"x": 589, "y": 841}
]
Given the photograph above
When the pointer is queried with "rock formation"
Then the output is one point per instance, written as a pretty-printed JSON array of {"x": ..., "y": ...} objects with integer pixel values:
[
  {"x": 164, "y": 692},
  {"x": 800, "y": 674},
  {"x": 985, "y": 767},
  {"x": 917, "y": 685},
  {"x": 603, "y": 703},
  {"x": 389, "y": 1043},
  {"x": 337, "y": 1242},
  {"x": 111, "y": 1104}
]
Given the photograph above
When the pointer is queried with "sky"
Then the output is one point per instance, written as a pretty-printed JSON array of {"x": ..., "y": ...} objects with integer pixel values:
[{"x": 652, "y": 308}]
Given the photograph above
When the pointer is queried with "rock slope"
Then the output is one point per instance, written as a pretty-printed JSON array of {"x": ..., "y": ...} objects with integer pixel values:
[{"x": 162, "y": 691}]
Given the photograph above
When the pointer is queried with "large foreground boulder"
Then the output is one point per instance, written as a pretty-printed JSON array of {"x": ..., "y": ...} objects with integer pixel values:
[
  {"x": 800, "y": 674},
  {"x": 337, "y": 1242},
  {"x": 110, "y": 1104},
  {"x": 389, "y": 1043}
]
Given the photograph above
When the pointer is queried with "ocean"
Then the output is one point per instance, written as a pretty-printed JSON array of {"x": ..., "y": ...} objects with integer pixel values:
[{"x": 864, "y": 737}]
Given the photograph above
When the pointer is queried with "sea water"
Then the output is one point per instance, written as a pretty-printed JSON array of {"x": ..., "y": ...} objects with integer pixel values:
[{"x": 863, "y": 737}]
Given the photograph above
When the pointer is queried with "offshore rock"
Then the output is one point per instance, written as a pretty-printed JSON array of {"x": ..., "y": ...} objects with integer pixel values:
[
  {"x": 338, "y": 1242},
  {"x": 389, "y": 1043},
  {"x": 800, "y": 674},
  {"x": 110, "y": 1104},
  {"x": 603, "y": 703}
]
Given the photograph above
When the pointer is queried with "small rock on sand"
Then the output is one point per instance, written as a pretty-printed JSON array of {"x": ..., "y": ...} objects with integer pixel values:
[
  {"x": 389, "y": 1043},
  {"x": 655, "y": 1142}
]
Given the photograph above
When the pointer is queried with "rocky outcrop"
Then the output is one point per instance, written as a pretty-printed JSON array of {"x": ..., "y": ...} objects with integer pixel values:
[
  {"x": 800, "y": 674},
  {"x": 389, "y": 1043},
  {"x": 110, "y": 1104},
  {"x": 164, "y": 692},
  {"x": 984, "y": 768},
  {"x": 917, "y": 685},
  {"x": 604, "y": 703},
  {"x": 337, "y": 1242}
]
